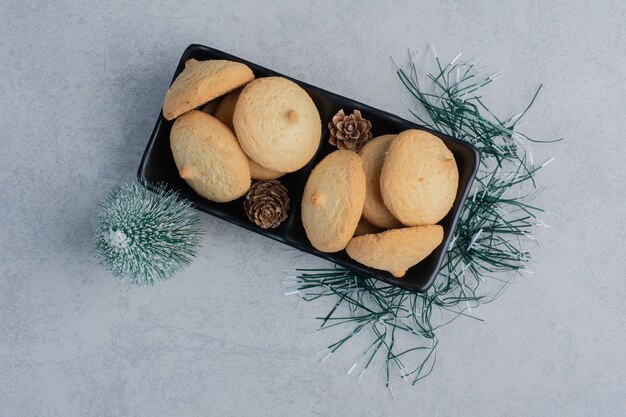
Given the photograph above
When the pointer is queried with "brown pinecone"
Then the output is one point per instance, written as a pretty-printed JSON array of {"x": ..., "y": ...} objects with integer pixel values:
[
  {"x": 267, "y": 203},
  {"x": 349, "y": 132}
]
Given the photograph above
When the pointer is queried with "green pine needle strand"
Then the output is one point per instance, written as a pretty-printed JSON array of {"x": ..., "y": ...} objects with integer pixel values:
[{"x": 488, "y": 242}]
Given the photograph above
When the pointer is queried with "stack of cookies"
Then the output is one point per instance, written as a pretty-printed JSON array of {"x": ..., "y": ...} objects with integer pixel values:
[
  {"x": 382, "y": 204},
  {"x": 231, "y": 128}
]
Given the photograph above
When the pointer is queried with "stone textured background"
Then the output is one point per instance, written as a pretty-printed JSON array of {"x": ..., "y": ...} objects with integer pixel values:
[{"x": 81, "y": 86}]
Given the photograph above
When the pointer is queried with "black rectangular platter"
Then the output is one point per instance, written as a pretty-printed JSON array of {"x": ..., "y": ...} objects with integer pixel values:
[{"x": 157, "y": 166}]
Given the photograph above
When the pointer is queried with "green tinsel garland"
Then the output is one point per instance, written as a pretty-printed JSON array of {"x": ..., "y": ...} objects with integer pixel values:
[{"x": 402, "y": 324}]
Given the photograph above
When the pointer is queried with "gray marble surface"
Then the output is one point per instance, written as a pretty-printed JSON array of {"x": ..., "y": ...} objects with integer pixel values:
[{"x": 82, "y": 84}]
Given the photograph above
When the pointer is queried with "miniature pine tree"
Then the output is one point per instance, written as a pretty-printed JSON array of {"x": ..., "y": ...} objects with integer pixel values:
[{"x": 144, "y": 237}]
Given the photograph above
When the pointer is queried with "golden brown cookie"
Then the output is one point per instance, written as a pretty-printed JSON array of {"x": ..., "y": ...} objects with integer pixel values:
[
  {"x": 202, "y": 81},
  {"x": 374, "y": 210},
  {"x": 419, "y": 178},
  {"x": 224, "y": 113},
  {"x": 277, "y": 124},
  {"x": 333, "y": 200},
  {"x": 208, "y": 157},
  {"x": 396, "y": 250},
  {"x": 257, "y": 172},
  {"x": 211, "y": 106},
  {"x": 226, "y": 108},
  {"x": 365, "y": 228}
]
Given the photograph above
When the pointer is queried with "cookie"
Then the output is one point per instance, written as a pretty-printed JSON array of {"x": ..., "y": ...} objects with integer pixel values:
[
  {"x": 208, "y": 157},
  {"x": 374, "y": 210},
  {"x": 257, "y": 172},
  {"x": 211, "y": 106},
  {"x": 419, "y": 178},
  {"x": 332, "y": 201},
  {"x": 395, "y": 250},
  {"x": 365, "y": 228},
  {"x": 226, "y": 108},
  {"x": 277, "y": 124},
  {"x": 224, "y": 113},
  {"x": 202, "y": 81}
]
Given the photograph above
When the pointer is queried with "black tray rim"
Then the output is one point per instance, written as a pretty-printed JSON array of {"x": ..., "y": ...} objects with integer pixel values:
[{"x": 367, "y": 108}]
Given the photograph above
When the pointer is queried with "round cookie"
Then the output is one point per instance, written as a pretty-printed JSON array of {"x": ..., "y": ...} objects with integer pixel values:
[
  {"x": 226, "y": 108},
  {"x": 365, "y": 228},
  {"x": 202, "y": 81},
  {"x": 396, "y": 250},
  {"x": 374, "y": 210},
  {"x": 277, "y": 124},
  {"x": 211, "y": 106},
  {"x": 224, "y": 113},
  {"x": 208, "y": 157},
  {"x": 332, "y": 201},
  {"x": 257, "y": 172},
  {"x": 419, "y": 178}
]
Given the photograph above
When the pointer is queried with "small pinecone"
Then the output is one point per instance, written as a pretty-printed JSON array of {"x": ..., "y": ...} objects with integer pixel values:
[
  {"x": 349, "y": 132},
  {"x": 267, "y": 203}
]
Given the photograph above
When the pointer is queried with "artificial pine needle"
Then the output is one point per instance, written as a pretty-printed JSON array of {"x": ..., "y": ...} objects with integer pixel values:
[{"x": 488, "y": 241}]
